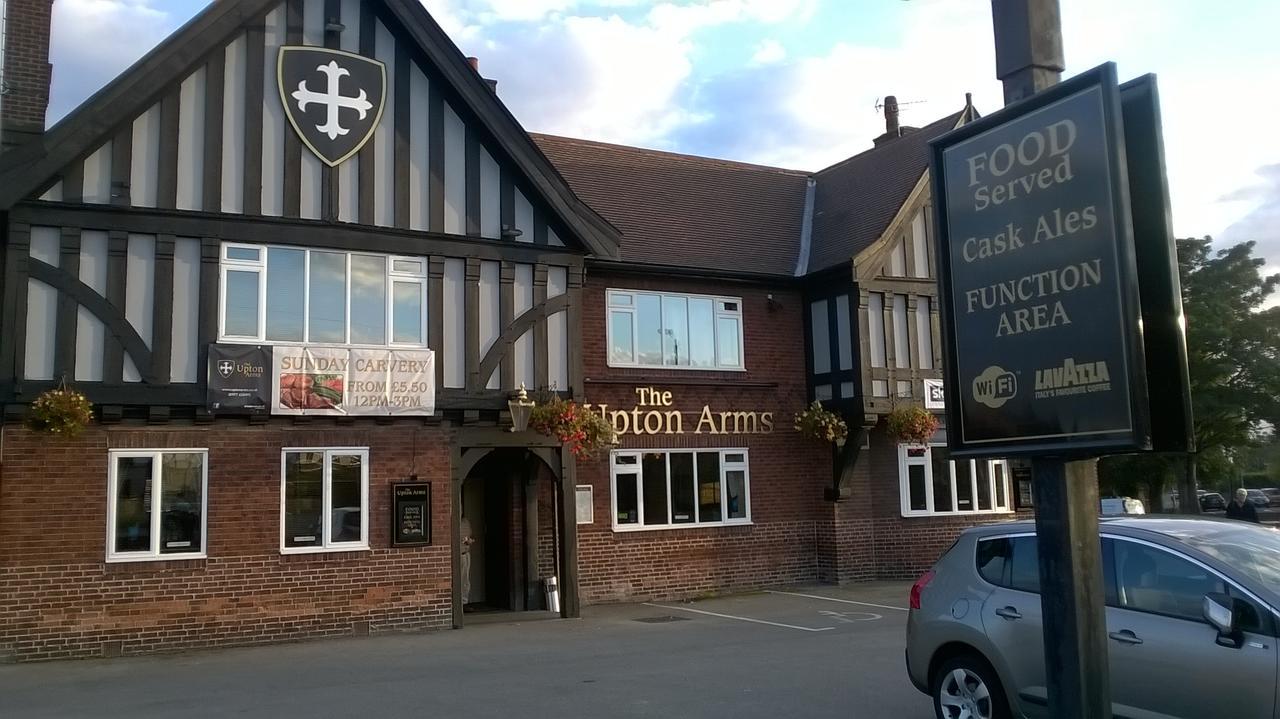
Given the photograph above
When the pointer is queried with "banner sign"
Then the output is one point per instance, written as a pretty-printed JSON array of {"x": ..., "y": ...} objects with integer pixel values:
[
  {"x": 239, "y": 379},
  {"x": 338, "y": 382},
  {"x": 1037, "y": 269}
]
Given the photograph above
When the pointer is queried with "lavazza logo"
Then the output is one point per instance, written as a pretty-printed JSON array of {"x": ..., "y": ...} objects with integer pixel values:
[{"x": 1073, "y": 377}]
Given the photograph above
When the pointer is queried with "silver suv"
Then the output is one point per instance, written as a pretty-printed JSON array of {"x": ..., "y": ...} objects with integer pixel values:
[{"x": 1191, "y": 614}]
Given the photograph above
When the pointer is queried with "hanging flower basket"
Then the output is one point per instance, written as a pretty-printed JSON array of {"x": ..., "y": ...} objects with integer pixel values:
[
  {"x": 64, "y": 412},
  {"x": 815, "y": 422},
  {"x": 913, "y": 425},
  {"x": 584, "y": 432}
]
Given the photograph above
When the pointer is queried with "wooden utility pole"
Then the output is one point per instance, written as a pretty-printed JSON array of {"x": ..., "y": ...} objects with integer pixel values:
[{"x": 1028, "y": 37}]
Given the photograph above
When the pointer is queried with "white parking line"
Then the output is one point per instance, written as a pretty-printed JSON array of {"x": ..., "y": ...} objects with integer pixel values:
[
  {"x": 741, "y": 619},
  {"x": 833, "y": 599}
]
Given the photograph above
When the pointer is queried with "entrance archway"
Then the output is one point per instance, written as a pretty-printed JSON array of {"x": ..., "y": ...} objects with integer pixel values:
[{"x": 497, "y": 480}]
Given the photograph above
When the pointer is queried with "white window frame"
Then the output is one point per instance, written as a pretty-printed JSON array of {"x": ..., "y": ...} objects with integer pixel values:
[
  {"x": 725, "y": 467},
  {"x": 326, "y": 503},
  {"x": 157, "y": 505},
  {"x": 259, "y": 266},
  {"x": 904, "y": 484},
  {"x": 718, "y": 313}
]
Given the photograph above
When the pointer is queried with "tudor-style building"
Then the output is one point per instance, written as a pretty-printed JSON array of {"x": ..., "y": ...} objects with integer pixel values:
[{"x": 300, "y": 257}]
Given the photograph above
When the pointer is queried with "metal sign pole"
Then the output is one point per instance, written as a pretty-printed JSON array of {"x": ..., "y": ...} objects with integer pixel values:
[{"x": 1028, "y": 39}]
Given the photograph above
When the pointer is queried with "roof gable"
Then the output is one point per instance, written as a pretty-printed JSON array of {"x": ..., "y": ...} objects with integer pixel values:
[
  {"x": 168, "y": 133},
  {"x": 859, "y": 197}
]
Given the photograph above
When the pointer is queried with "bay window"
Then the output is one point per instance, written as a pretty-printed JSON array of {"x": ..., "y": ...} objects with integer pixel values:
[
  {"x": 674, "y": 488},
  {"x": 324, "y": 500},
  {"x": 933, "y": 484},
  {"x": 648, "y": 329},
  {"x": 288, "y": 294},
  {"x": 156, "y": 504}
]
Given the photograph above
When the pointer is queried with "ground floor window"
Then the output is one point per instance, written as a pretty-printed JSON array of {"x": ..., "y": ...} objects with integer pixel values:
[
  {"x": 672, "y": 488},
  {"x": 324, "y": 500},
  {"x": 933, "y": 484},
  {"x": 156, "y": 507}
]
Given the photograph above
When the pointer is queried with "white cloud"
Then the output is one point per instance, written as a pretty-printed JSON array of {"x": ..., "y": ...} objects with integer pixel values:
[
  {"x": 769, "y": 52},
  {"x": 94, "y": 40}
]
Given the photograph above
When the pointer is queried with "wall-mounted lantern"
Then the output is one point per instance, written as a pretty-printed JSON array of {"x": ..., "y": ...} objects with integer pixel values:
[{"x": 521, "y": 408}]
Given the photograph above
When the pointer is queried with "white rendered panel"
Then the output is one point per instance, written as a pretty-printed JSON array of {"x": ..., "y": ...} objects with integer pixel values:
[
  {"x": 190, "y": 190},
  {"x": 53, "y": 194},
  {"x": 419, "y": 150},
  {"x": 97, "y": 176},
  {"x": 273, "y": 122},
  {"x": 42, "y": 307},
  {"x": 490, "y": 196},
  {"x": 490, "y": 312},
  {"x": 901, "y": 341},
  {"x": 843, "y": 332},
  {"x": 455, "y": 173},
  {"x": 233, "y": 103},
  {"x": 558, "y": 331},
  {"x": 524, "y": 218},
  {"x": 875, "y": 329},
  {"x": 145, "y": 163},
  {"x": 921, "y": 245},
  {"x": 349, "y": 171},
  {"x": 524, "y": 345},
  {"x": 139, "y": 294},
  {"x": 311, "y": 182},
  {"x": 553, "y": 239},
  {"x": 384, "y": 137},
  {"x": 455, "y": 339},
  {"x": 184, "y": 362},
  {"x": 91, "y": 333},
  {"x": 924, "y": 333},
  {"x": 820, "y": 330}
]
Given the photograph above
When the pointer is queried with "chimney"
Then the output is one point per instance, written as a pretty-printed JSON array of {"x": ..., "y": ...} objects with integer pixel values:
[
  {"x": 25, "y": 72},
  {"x": 474, "y": 62},
  {"x": 891, "y": 116}
]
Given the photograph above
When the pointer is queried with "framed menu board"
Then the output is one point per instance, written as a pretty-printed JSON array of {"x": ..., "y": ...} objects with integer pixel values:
[{"x": 410, "y": 514}]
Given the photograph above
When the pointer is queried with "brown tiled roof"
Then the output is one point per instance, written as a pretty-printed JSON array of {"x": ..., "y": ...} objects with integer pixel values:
[
  {"x": 685, "y": 211},
  {"x": 858, "y": 198}
]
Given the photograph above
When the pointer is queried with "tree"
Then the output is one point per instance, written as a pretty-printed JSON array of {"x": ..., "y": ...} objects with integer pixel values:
[{"x": 1233, "y": 353}]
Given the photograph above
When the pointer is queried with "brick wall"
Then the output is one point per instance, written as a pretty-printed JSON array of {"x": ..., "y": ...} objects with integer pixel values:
[
  {"x": 26, "y": 67},
  {"x": 786, "y": 475},
  {"x": 59, "y": 598}
]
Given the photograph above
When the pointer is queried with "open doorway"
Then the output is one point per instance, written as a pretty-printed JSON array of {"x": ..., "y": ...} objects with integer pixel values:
[{"x": 509, "y": 533}]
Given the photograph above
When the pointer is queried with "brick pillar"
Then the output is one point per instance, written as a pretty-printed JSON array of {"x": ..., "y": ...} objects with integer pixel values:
[
  {"x": 846, "y": 545},
  {"x": 27, "y": 71}
]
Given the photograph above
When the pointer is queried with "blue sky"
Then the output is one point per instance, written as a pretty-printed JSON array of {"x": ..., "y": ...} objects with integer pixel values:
[{"x": 795, "y": 83}]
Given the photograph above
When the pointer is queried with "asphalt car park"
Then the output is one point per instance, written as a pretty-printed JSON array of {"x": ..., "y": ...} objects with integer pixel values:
[{"x": 798, "y": 651}]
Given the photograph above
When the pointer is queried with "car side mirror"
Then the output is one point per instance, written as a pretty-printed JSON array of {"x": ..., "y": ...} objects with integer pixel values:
[{"x": 1224, "y": 614}]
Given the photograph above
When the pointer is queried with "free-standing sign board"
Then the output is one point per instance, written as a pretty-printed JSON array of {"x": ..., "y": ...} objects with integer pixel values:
[
  {"x": 410, "y": 514},
  {"x": 1039, "y": 291}
]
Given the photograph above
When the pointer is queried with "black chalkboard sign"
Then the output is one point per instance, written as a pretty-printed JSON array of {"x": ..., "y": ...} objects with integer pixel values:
[{"x": 410, "y": 514}]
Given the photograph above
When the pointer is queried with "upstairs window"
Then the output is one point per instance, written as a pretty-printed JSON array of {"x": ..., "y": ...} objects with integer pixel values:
[
  {"x": 649, "y": 329},
  {"x": 290, "y": 294}
]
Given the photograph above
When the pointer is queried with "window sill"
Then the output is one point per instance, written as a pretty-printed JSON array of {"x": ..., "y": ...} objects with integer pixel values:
[
  {"x": 674, "y": 368},
  {"x": 324, "y": 550},
  {"x": 155, "y": 558},
  {"x": 624, "y": 529},
  {"x": 981, "y": 513}
]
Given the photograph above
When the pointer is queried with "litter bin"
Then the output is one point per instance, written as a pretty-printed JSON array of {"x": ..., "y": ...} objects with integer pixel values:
[{"x": 553, "y": 594}]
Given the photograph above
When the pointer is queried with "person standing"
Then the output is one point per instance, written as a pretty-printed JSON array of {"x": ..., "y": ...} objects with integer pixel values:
[
  {"x": 1241, "y": 508},
  {"x": 464, "y": 530}
]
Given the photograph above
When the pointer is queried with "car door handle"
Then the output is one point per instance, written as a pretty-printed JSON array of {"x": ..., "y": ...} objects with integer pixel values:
[
  {"x": 1125, "y": 637},
  {"x": 1008, "y": 613}
]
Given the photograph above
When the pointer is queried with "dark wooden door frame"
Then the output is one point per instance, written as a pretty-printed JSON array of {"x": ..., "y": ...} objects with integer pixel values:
[{"x": 470, "y": 447}]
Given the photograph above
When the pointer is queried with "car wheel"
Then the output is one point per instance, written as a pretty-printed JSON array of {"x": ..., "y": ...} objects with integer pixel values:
[{"x": 966, "y": 687}]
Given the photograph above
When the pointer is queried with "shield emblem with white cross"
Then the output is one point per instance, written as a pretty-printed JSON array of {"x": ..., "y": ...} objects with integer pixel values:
[{"x": 333, "y": 99}]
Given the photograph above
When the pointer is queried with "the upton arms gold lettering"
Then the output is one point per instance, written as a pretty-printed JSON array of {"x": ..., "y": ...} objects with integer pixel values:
[{"x": 654, "y": 414}]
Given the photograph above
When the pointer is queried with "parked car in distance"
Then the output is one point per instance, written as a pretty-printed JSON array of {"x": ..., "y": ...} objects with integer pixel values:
[
  {"x": 1180, "y": 592},
  {"x": 1258, "y": 499},
  {"x": 1212, "y": 502}
]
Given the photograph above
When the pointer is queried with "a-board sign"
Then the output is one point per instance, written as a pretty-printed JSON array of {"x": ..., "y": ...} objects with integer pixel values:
[
  {"x": 410, "y": 514},
  {"x": 1040, "y": 310}
]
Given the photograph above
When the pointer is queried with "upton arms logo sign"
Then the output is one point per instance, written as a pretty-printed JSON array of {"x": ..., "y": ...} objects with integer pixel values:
[
  {"x": 654, "y": 413},
  {"x": 333, "y": 99}
]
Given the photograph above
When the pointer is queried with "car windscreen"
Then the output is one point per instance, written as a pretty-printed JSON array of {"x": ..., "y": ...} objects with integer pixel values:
[{"x": 1249, "y": 549}]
